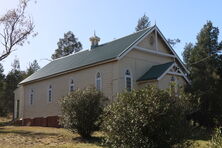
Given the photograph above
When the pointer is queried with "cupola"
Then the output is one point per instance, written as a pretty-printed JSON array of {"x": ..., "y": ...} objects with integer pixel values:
[{"x": 94, "y": 41}]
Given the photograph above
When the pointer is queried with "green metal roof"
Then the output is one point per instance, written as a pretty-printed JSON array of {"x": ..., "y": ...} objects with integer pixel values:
[
  {"x": 101, "y": 53},
  {"x": 155, "y": 72}
]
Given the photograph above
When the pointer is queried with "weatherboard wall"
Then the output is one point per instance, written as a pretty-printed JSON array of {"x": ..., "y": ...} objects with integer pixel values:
[{"x": 60, "y": 87}]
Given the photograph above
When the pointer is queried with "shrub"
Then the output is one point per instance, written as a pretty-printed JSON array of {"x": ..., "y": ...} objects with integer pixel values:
[
  {"x": 216, "y": 141},
  {"x": 148, "y": 117},
  {"x": 81, "y": 110}
]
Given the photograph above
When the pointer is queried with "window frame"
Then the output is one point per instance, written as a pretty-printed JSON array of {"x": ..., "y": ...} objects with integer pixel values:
[
  {"x": 128, "y": 76},
  {"x": 98, "y": 79},
  {"x": 71, "y": 85},
  {"x": 31, "y": 97},
  {"x": 49, "y": 100},
  {"x": 17, "y": 108}
]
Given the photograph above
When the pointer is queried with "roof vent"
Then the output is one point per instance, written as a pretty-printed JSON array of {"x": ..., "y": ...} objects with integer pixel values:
[{"x": 94, "y": 41}]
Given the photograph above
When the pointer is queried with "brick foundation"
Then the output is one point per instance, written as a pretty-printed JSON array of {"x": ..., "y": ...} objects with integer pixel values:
[{"x": 50, "y": 121}]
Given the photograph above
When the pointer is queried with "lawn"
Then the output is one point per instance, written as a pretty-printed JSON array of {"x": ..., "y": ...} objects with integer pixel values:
[{"x": 45, "y": 137}]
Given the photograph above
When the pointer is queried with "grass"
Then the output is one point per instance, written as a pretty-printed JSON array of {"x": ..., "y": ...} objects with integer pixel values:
[
  {"x": 43, "y": 137},
  {"x": 46, "y": 137}
]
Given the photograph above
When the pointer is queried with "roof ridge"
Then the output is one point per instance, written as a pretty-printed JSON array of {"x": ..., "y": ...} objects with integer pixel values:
[
  {"x": 127, "y": 35},
  {"x": 81, "y": 51},
  {"x": 103, "y": 43},
  {"x": 87, "y": 56}
]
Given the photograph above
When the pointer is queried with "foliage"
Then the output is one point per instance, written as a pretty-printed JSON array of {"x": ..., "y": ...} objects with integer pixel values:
[
  {"x": 187, "y": 53},
  {"x": 205, "y": 65},
  {"x": 216, "y": 141},
  {"x": 173, "y": 42},
  {"x": 16, "y": 28},
  {"x": 3, "y": 111},
  {"x": 67, "y": 45},
  {"x": 10, "y": 82},
  {"x": 143, "y": 23},
  {"x": 33, "y": 67},
  {"x": 81, "y": 110},
  {"x": 147, "y": 117}
]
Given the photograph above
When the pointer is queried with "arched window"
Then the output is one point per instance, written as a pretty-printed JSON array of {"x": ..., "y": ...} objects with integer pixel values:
[
  {"x": 50, "y": 93},
  {"x": 71, "y": 85},
  {"x": 31, "y": 97},
  {"x": 98, "y": 81},
  {"x": 128, "y": 80}
]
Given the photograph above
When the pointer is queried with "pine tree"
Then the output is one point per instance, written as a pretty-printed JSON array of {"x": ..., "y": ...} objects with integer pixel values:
[
  {"x": 33, "y": 67},
  {"x": 205, "y": 66},
  {"x": 143, "y": 23},
  {"x": 11, "y": 82},
  {"x": 67, "y": 45}
]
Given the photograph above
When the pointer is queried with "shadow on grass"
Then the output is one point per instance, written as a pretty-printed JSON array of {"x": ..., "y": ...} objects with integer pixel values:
[
  {"x": 26, "y": 133},
  {"x": 201, "y": 134},
  {"x": 93, "y": 140},
  {"x": 6, "y": 123}
]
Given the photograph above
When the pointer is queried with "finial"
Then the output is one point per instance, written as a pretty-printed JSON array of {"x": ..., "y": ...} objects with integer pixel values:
[
  {"x": 94, "y": 40},
  {"x": 94, "y": 32},
  {"x": 155, "y": 22}
]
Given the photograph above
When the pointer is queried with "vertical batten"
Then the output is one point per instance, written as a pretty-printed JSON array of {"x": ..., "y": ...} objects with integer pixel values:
[{"x": 156, "y": 41}]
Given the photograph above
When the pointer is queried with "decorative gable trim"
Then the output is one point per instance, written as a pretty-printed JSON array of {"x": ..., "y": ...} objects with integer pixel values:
[
  {"x": 171, "y": 49},
  {"x": 127, "y": 50},
  {"x": 155, "y": 52},
  {"x": 174, "y": 70},
  {"x": 134, "y": 45}
]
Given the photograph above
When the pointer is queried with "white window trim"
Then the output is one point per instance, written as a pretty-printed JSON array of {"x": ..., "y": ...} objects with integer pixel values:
[
  {"x": 31, "y": 94},
  {"x": 100, "y": 78},
  {"x": 17, "y": 108},
  {"x": 70, "y": 84},
  {"x": 128, "y": 76},
  {"x": 48, "y": 93}
]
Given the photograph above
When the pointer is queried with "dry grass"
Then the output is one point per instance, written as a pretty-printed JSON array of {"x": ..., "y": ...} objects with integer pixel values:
[{"x": 43, "y": 137}]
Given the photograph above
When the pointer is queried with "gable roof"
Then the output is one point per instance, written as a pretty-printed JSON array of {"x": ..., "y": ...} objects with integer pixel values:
[
  {"x": 155, "y": 72},
  {"x": 103, "y": 52}
]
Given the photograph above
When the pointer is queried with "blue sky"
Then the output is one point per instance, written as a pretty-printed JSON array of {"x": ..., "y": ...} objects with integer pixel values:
[{"x": 111, "y": 19}]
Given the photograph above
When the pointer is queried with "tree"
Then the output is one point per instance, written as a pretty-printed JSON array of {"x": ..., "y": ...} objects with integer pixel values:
[
  {"x": 3, "y": 111},
  {"x": 67, "y": 45},
  {"x": 147, "y": 118},
  {"x": 16, "y": 65},
  {"x": 205, "y": 66},
  {"x": 143, "y": 23},
  {"x": 173, "y": 42},
  {"x": 33, "y": 67},
  {"x": 11, "y": 81},
  {"x": 187, "y": 52},
  {"x": 16, "y": 28},
  {"x": 81, "y": 110}
]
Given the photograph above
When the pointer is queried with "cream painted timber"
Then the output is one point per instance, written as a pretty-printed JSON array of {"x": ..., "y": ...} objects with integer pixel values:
[
  {"x": 146, "y": 42},
  {"x": 138, "y": 62},
  {"x": 146, "y": 83},
  {"x": 60, "y": 87},
  {"x": 19, "y": 95},
  {"x": 165, "y": 81},
  {"x": 161, "y": 45}
]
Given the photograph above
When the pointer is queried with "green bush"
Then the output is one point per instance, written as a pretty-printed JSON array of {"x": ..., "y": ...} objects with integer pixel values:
[
  {"x": 81, "y": 110},
  {"x": 216, "y": 141},
  {"x": 147, "y": 118}
]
